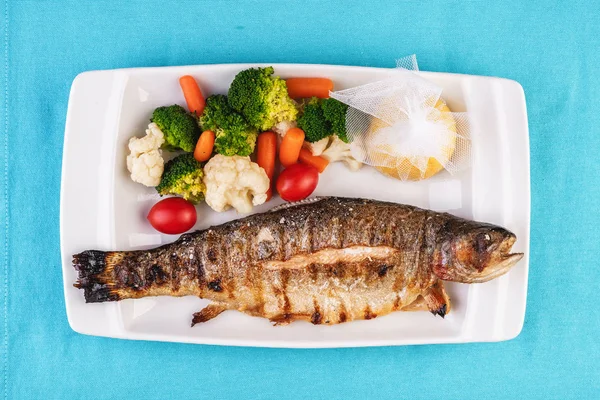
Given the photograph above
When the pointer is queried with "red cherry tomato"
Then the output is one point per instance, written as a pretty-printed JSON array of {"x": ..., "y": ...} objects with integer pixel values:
[
  {"x": 172, "y": 216},
  {"x": 297, "y": 182}
]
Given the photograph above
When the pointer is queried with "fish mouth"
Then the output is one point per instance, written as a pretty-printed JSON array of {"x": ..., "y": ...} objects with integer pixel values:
[{"x": 496, "y": 268}]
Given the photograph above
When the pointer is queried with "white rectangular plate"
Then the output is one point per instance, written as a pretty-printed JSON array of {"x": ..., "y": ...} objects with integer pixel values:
[{"x": 101, "y": 208}]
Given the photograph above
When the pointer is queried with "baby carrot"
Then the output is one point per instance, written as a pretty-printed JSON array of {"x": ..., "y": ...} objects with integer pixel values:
[
  {"x": 204, "y": 146},
  {"x": 318, "y": 162},
  {"x": 193, "y": 94},
  {"x": 309, "y": 87},
  {"x": 265, "y": 156},
  {"x": 289, "y": 150}
]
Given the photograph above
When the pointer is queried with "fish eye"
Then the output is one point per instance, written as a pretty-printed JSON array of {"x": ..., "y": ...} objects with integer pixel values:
[
  {"x": 482, "y": 242},
  {"x": 484, "y": 237}
]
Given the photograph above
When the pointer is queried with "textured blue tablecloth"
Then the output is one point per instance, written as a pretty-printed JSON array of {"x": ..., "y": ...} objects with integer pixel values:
[{"x": 553, "y": 50}]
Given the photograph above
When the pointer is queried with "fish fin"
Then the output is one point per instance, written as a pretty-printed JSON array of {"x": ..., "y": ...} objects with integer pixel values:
[
  {"x": 281, "y": 320},
  {"x": 93, "y": 268},
  {"x": 418, "y": 305},
  {"x": 285, "y": 319},
  {"x": 297, "y": 203},
  {"x": 207, "y": 313},
  {"x": 437, "y": 300}
]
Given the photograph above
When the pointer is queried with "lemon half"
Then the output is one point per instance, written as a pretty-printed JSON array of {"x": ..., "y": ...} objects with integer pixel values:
[{"x": 402, "y": 166}]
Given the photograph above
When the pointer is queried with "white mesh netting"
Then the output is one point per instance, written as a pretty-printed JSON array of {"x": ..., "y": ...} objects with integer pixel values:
[{"x": 403, "y": 127}]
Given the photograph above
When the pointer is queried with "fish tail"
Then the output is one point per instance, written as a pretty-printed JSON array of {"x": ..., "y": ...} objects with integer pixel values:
[{"x": 95, "y": 275}]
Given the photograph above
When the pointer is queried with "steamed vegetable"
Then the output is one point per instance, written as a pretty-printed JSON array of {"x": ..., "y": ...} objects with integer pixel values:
[
  {"x": 180, "y": 128},
  {"x": 234, "y": 182},
  {"x": 309, "y": 87},
  {"x": 318, "y": 162},
  {"x": 204, "y": 147},
  {"x": 261, "y": 98},
  {"x": 289, "y": 150},
  {"x": 297, "y": 182},
  {"x": 145, "y": 160},
  {"x": 322, "y": 118},
  {"x": 172, "y": 216},
  {"x": 193, "y": 94},
  {"x": 317, "y": 148},
  {"x": 334, "y": 112},
  {"x": 337, "y": 150},
  {"x": 282, "y": 127},
  {"x": 313, "y": 122},
  {"x": 233, "y": 134},
  {"x": 183, "y": 177},
  {"x": 265, "y": 157}
]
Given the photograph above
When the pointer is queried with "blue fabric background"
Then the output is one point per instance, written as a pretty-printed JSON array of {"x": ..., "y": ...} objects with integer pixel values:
[{"x": 553, "y": 50}]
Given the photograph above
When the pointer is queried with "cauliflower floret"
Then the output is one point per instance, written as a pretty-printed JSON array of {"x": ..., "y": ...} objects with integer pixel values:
[
  {"x": 145, "y": 160},
  {"x": 234, "y": 182},
  {"x": 317, "y": 148},
  {"x": 338, "y": 150},
  {"x": 147, "y": 168},
  {"x": 282, "y": 127},
  {"x": 152, "y": 141}
]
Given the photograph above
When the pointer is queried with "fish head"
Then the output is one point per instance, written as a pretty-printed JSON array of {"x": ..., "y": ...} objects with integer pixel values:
[{"x": 474, "y": 252}]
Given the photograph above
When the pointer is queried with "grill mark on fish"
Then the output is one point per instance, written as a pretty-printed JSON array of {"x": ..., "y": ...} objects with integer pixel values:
[
  {"x": 316, "y": 317},
  {"x": 156, "y": 275},
  {"x": 285, "y": 277},
  {"x": 211, "y": 254},
  {"x": 368, "y": 314},
  {"x": 279, "y": 289},
  {"x": 340, "y": 270},
  {"x": 231, "y": 289},
  {"x": 399, "y": 281},
  {"x": 314, "y": 272},
  {"x": 272, "y": 264},
  {"x": 254, "y": 278},
  {"x": 133, "y": 280},
  {"x": 396, "y": 305},
  {"x": 175, "y": 276},
  {"x": 260, "y": 289},
  {"x": 200, "y": 274},
  {"x": 343, "y": 314}
]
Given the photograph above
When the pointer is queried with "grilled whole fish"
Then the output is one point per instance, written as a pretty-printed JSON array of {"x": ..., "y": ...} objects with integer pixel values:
[{"x": 327, "y": 261}]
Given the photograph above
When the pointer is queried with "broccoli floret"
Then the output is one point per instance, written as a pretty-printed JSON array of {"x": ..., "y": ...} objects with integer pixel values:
[
  {"x": 261, "y": 98},
  {"x": 334, "y": 112},
  {"x": 233, "y": 134},
  {"x": 179, "y": 127},
  {"x": 313, "y": 122},
  {"x": 183, "y": 177},
  {"x": 322, "y": 118}
]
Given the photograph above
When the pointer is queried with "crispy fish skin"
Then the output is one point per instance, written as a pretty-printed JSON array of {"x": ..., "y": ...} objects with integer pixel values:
[{"x": 328, "y": 261}]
